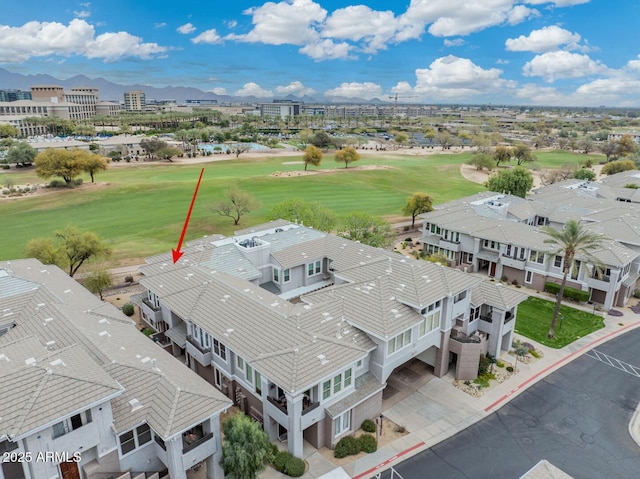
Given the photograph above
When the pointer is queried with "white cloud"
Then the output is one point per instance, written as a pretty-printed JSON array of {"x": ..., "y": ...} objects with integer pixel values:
[
  {"x": 540, "y": 95},
  {"x": 558, "y": 3},
  {"x": 160, "y": 25},
  {"x": 289, "y": 22},
  {"x": 366, "y": 91},
  {"x": 459, "y": 17},
  {"x": 219, "y": 91},
  {"x": 327, "y": 50},
  {"x": 295, "y": 88},
  {"x": 560, "y": 64},
  {"x": 114, "y": 46},
  {"x": 253, "y": 89},
  {"x": 501, "y": 61},
  {"x": 186, "y": 29},
  {"x": 452, "y": 77},
  {"x": 210, "y": 37},
  {"x": 40, "y": 39},
  {"x": 544, "y": 40},
  {"x": 457, "y": 42},
  {"x": 82, "y": 13},
  {"x": 360, "y": 23},
  {"x": 231, "y": 24}
]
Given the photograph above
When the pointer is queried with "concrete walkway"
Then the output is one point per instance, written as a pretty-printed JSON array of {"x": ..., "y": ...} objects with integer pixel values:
[{"x": 439, "y": 410}]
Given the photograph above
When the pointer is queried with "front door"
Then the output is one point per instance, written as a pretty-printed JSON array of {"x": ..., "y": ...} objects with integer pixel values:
[
  {"x": 492, "y": 269},
  {"x": 69, "y": 470}
]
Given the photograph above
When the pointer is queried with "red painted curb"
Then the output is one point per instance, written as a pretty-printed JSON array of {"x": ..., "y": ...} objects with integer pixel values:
[
  {"x": 388, "y": 461},
  {"x": 565, "y": 359}
]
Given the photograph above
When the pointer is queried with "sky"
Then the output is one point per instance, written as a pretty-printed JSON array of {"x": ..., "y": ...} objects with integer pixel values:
[{"x": 535, "y": 52}]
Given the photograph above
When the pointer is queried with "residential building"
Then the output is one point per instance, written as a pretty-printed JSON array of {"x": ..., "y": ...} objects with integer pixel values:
[
  {"x": 302, "y": 329},
  {"x": 615, "y": 136},
  {"x": 500, "y": 235},
  {"x": 86, "y": 395},
  {"x": 134, "y": 100}
]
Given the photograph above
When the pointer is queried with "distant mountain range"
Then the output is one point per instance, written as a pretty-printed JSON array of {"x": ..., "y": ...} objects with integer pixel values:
[{"x": 110, "y": 91}]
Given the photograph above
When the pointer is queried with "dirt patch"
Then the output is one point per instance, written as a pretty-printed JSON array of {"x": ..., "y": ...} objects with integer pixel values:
[
  {"x": 289, "y": 174},
  {"x": 42, "y": 190}
]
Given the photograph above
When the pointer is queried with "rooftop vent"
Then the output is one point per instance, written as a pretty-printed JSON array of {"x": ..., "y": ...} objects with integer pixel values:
[
  {"x": 30, "y": 361},
  {"x": 135, "y": 405},
  {"x": 323, "y": 359}
]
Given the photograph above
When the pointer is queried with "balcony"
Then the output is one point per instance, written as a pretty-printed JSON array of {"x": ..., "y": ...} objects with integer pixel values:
[
  {"x": 150, "y": 305},
  {"x": 197, "y": 450},
  {"x": 200, "y": 354},
  {"x": 450, "y": 245},
  {"x": 517, "y": 263},
  {"x": 488, "y": 319},
  {"x": 280, "y": 404},
  {"x": 308, "y": 406}
]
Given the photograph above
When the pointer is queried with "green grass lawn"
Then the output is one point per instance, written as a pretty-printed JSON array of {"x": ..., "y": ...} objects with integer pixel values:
[
  {"x": 141, "y": 210},
  {"x": 534, "y": 317},
  {"x": 558, "y": 158}
]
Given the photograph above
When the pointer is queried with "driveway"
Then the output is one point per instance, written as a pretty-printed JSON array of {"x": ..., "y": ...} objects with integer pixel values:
[{"x": 577, "y": 418}]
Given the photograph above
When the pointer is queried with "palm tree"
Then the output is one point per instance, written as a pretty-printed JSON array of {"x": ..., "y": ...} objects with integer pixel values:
[{"x": 572, "y": 240}]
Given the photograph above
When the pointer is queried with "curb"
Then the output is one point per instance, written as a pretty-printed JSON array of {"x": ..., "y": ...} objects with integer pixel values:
[{"x": 389, "y": 461}]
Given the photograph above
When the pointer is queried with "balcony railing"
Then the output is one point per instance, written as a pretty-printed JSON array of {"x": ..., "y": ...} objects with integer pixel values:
[
  {"x": 488, "y": 319},
  {"x": 466, "y": 339},
  {"x": 150, "y": 305},
  {"x": 280, "y": 404},
  {"x": 310, "y": 407},
  {"x": 189, "y": 446},
  {"x": 196, "y": 344}
]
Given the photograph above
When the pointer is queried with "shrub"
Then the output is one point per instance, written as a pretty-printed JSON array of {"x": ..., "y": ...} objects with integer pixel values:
[
  {"x": 408, "y": 240},
  {"x": 367, "y": 443},
  {"x": 510, "y": 369},
  {"x": 368, "y": 426},
  {"x": 281, "y": 459},
  {"x": 569, "y": 293},
  {"x": 77, "y": 181},
  {"x": 484, "y": 364},
  {"x": 347, "y": 446},
  {"x": 5, "y": 167},
  {"x": 274, "y": 450},
  {"x": 500, "y": 364},
  {"x": 294, "y": 467},
  {"x": 584, "y": 174},
  {"x": 617, "y": 166},
  {"x": 128, "y": 279},
  {"x": 401, "y": 429},
  {"x": 636, "y": 293},
  {"x": 535, "y": 354},
  {"x": 128, "y": 309},
  {"x": 57, "y": 184}
]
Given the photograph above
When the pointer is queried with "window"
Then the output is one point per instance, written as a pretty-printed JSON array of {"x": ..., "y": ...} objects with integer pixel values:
[
  {"x": 491, "y": 245},
  {"x": 399, "y": 342},
  {"x": 459, "y": 297},
  {"x": 474, "y": 313},
  {"x": 219, "y": 349},
  {"x": 337, "y": 384},
  {"x": 248, "y": 372},
  {"x": 276, "y": 275},
  {"x": 240, "y": 363},
  {"x": 326, "y": 389},
  {"x": 575, "y": 270},
  {"x": 127, "y": 442},
  {"x": 557, "y": 262},
  {"x": 536, "y": 256},
  {"x": 347, "y": 378},
  {"x": 359, "y": 364},
  {"x": 314, "y": 268},
  {"x": 432, "y": 318},
  {"x": 528, "y": 277},
  {"x": 286, "y": 276},
  {"x": 258, "y": 382},
  {"x": 59, "y": 430},
  {"x": 342, "y": 423},
  {"x": 131, "y": 440},
  {"x": 72, "y": 423},
  {"x": 467, "y": 258}
]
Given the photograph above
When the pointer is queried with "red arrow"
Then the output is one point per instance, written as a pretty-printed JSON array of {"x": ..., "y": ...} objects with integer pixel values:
[{"x": 176, "y": 252}]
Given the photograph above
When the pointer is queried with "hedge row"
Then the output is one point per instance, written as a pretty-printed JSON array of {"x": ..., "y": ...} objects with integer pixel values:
[
  {"x": 569, "y": 293},
  {"x": 288, "y": 464}
]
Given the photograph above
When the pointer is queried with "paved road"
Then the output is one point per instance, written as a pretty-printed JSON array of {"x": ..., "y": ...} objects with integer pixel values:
[{"x": 577, "y": 418}]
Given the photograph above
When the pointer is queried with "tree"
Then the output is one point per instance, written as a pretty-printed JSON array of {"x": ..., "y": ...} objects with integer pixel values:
[
  {"x": 237, "y": 203},
  {"x": 516, "y": 182},
  {"x": 58, "y": 162},
  {"x": 9, "y": 131},
  {"x": 322, "y": 140},
  {"x": 246, "y": 449},
  {"x": 503, "y": 154},
  {"x": 97, "y": 281},
  {"x": 571, "y": 241},
  {"x": 481, "y": 161},
  {"x": 312, "y": 156},
  {"x": 401, "y": 138},
  {"x": 69, "y": 248},
  {"x": 238, "y": 148},
  {"x": 617, "y": 166},
  {"x": 625, "y": 146},
  {"x": 522, "y": 153},
  {"x": 346, "y": 156},
  {"x": 585, "y": 174},
  {"x": 152, "y": 145},
  {"x": 444, "y": 139},
  {"x": 309, "y": 213},
  {"x": 608, "y": 148},
  {"x": 22, "y": 154},
  {"x": 586, "y": 145},
  {"x": 417, "y": 203},
  {"x": 367, "y": 229},
  {"x": 92, "y": 163},
  {"x": 168, "y": 152}
]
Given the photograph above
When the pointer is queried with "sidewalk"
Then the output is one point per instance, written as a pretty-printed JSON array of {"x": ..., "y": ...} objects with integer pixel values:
[{"x": 439, "y": 410}]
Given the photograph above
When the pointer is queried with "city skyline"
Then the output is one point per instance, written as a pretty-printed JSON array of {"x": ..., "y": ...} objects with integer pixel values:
[{"x": 536, "y": 52}]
